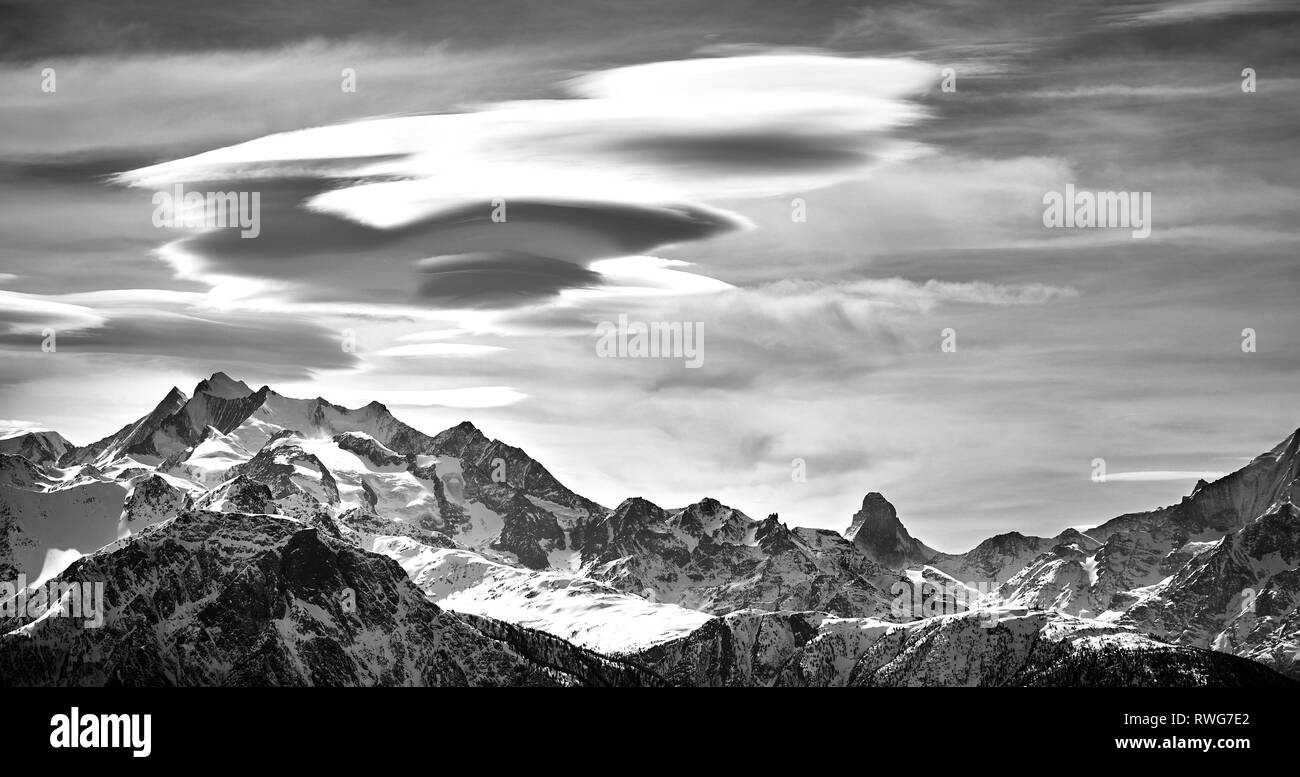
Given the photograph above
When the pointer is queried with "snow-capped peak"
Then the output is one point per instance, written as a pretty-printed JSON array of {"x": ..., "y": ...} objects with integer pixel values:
[
  {"x": 37, "y": 446},
  {"x": 219, "y": 384}
]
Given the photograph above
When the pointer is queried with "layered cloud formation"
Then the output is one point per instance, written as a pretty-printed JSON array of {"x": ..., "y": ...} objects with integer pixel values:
[{"x": 619, "y": 167}]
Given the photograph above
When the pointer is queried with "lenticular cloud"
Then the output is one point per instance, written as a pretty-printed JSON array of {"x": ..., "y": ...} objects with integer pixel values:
[{"x": 625, "y": 135}]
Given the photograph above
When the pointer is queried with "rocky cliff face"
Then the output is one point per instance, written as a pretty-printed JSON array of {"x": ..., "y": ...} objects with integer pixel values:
[
  {"x": 152, "y": 499},
  {"x": 881, "y": 537},
  {"x": 1238, "y": 596}
]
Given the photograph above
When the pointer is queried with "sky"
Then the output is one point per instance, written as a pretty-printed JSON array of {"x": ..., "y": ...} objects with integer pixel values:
[{"x": 843, "y": 201}]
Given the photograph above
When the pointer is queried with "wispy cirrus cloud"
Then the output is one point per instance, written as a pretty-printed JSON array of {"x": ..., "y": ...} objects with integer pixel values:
[
  {"x": 1182, "y": 11},
  {"x": 1158, "y": 475},
  {"x": 163, "y": 324}
]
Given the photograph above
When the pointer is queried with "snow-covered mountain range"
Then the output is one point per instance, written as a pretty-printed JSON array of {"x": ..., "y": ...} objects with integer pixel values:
[{"x": 245, "y": 537}]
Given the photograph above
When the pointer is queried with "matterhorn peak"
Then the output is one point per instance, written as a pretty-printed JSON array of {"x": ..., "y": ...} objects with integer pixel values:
[
  {"x": 879, "y": 535},
  {"x": 876, "y": 513}
]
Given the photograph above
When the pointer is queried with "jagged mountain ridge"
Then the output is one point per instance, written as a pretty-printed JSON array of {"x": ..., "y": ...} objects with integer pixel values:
[
  {"x": 460, "y": 503},
  {"x": 713, "y": 558},
  {"x": 500, "y": 494},
  {"x": 259, "y": 451}
]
